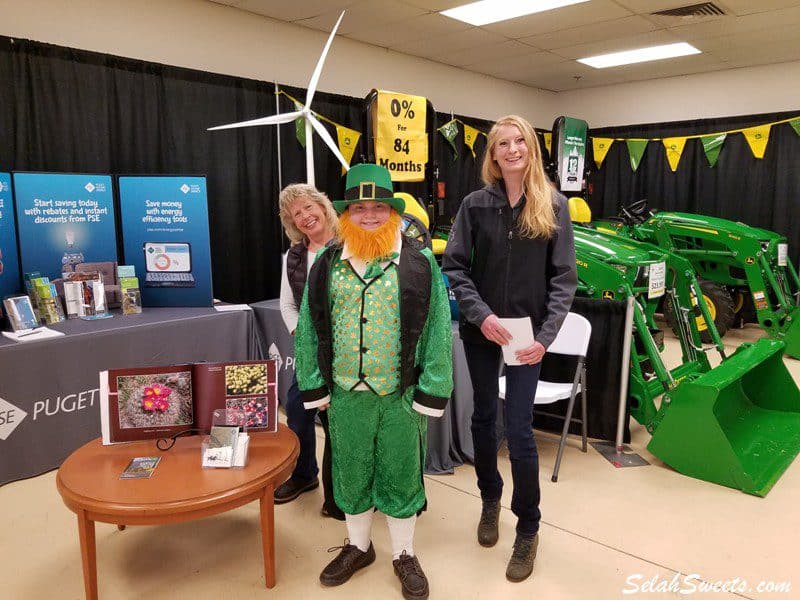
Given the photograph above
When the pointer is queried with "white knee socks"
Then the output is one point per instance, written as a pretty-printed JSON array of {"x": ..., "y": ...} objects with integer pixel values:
[
  {"x": 401, "y": 531},
  {"x": 359, "y": 529}
]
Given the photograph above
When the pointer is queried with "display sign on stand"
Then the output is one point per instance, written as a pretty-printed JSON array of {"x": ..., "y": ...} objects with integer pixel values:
[
  {"x": 165, "y": 236},
  {"x": 63, "y": 220},
  {"x": 10, "y": 282}
]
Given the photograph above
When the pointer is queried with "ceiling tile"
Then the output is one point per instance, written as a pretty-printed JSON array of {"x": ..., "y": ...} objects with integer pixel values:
[
  {"x": 475, "y": 54},
  {"x": 398, "y": 33},
  {"x": 754, "y": 47},
  {"x": 731, "y": 25},
  {"x": 509, "y": 67},
  {"x": 295, "y": 10},
  {"x": 590, "y": 33},
  {"x": 747, "y": 7},
  {"x": 435, "y": 46},
  {"x": 632, "y": 42},
  {"x": 562, "y": 18},
  {"x": 435, "y": 5},
  {"x": 364, "y": 16}
]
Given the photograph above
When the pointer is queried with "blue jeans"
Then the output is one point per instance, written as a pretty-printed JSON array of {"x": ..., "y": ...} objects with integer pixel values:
[
  {"x": 301, "y": 421},
  {"x": 483, "y": 361}
]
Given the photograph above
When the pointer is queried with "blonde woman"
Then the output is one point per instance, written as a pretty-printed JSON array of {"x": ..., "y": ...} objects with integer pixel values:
[
  {"x": 510, "y": 254},
  {"x": 310, "y": 222}
]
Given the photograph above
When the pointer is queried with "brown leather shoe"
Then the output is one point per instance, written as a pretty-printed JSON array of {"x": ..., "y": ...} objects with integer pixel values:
[
  {"x": 489, "y": 525},
  {"x": 292, "y": 488},
  {"x": 520, "y": 566},
  {"x": 349, "y": 560},
  {"x": 412, "y": 578}
]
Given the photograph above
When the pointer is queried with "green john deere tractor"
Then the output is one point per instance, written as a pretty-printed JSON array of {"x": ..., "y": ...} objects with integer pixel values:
[
  {"x": 745, "y": 272},
  {"x": 738, "y": 424}
]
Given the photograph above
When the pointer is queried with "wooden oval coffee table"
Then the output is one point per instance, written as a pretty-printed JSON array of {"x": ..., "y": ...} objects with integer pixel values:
[{"x": 179, "y": 490}]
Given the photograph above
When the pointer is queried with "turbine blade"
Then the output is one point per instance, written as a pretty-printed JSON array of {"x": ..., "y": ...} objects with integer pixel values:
[
  {"x": 312, "y": 85},
  {"x": 271, "y": 120},
  {"x": 326, "y": 137}
]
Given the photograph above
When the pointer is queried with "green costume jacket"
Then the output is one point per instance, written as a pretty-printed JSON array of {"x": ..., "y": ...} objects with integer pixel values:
[{"x": 425, "y": 362}]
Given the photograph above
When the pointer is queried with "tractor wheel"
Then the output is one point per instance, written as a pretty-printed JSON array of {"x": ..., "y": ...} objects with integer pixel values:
[{"x": 720, "y": 305}]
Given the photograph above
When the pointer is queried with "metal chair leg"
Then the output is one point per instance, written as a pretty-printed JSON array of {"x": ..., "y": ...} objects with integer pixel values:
[
  {"x": 583, "y": 406},
  {"x": 562, "y": 441}
]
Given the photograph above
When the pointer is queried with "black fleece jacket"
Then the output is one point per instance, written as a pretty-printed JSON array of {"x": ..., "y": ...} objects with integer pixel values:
[{"x": 494, "y": 270}]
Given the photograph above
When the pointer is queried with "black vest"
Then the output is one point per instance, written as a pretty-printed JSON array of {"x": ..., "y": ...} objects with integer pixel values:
[
  {"x": 414, "y": 277},
  {"x": 297, "y": 270}
]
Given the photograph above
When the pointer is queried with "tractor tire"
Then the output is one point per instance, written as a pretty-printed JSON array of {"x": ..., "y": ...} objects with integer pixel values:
[{"x": 720, "y": 304}]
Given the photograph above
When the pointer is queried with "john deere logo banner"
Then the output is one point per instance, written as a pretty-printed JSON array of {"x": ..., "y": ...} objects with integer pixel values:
[
  {"x": 401, "y": 144},
  {"x": 571, "y": 154},
  {"x": 348, "y": 140}
]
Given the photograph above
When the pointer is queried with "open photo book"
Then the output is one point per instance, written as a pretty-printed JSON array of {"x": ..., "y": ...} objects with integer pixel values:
[{"x": 155, "y": 402}]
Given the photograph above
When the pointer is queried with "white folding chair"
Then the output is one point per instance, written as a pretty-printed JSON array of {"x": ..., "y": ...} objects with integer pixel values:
[{"x": 573, "y": 340}]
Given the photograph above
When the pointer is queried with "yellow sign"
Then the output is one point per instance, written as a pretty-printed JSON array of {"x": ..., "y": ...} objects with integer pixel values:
[
  {"x": 348, "y": 139},
  {"x": 401, "y": 143},
  {"x": 608, "y": 295}
]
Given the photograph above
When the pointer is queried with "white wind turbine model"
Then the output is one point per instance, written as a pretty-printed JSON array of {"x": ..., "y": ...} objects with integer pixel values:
[{"x": 304, "y": 113}]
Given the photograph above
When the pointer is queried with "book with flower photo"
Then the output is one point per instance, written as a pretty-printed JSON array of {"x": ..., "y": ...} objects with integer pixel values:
[{"x": 156, "y": 402}]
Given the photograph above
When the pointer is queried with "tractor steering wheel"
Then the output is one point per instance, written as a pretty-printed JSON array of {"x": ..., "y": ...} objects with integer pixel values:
[{"x": 636, "y": 212}]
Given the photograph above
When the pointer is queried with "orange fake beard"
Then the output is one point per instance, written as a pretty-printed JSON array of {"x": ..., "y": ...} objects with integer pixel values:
[{"x": 368, "y": 244}]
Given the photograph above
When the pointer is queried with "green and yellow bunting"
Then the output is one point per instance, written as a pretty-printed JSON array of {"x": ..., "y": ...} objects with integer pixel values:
[
  {"x": 636, "y": 149},
  {"x": 600, "y": 147},
  {"x": 347, "y": 140},
  {"x": 449, "y": 132},
  {"x": 712, "y": 144},
  {"x": 674, "y": 147},
  {"x": 757, "y": 138},
  {"x": 470, "y": 135},
  {"x": 300, "y": 126}
]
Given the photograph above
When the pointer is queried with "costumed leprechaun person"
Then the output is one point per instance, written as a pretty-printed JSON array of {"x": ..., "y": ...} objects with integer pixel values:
[{"x": 373, "y": 346}]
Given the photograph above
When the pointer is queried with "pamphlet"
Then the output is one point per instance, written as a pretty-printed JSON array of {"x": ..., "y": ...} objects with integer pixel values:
[
  {"x": 32, "y": 335},
  {"x": 141, "y": 467},
  {"x": 521, "y": 330},
  {"x": 155, "y": 402}
]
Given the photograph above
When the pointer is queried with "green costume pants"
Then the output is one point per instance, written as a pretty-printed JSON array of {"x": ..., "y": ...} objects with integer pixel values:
[{"x": 378, "y": 449}]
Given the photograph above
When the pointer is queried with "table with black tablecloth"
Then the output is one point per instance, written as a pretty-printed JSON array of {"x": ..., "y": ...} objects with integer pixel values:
[
  {"x": 449, "y": 437},
  {"x": 49, "y": 396}
]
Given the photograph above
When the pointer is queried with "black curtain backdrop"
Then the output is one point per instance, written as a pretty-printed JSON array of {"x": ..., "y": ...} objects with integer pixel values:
[
  {"x": 760, "y": 192},
  {"x": 67, "y": 110}
]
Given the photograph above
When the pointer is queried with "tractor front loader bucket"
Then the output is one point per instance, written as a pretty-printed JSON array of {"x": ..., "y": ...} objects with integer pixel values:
[{"x": 737, "y": 425}]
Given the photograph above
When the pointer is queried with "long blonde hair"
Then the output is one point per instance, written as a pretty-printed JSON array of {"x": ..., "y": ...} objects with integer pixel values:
[
  {"x": 538, "y": 218},
  {"x": 302, "y": 190}
]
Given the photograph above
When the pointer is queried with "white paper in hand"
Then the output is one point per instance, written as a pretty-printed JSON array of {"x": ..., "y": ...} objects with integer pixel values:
[{"x": 521, "y": 330}]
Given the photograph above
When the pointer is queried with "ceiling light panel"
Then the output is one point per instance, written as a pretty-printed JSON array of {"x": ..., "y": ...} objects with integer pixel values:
[
  {"x": 494, "y": 11},
  {"x": 628, "y": 57}
]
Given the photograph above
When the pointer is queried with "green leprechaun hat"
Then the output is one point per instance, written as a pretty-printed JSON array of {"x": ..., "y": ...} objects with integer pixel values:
[{"x": 369, "y": 182}]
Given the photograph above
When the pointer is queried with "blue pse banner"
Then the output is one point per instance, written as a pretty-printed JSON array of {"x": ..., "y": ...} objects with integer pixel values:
[
  {"x": 10, "y": 282},
  {"x": 165, "y": 236},
  {"x": 64, "y": 219}
]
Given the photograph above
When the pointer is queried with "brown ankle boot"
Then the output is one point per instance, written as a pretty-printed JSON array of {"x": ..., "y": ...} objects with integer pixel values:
[
  {"x": 488, "y": 526},
  {"x": 521, "y": 564}
]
